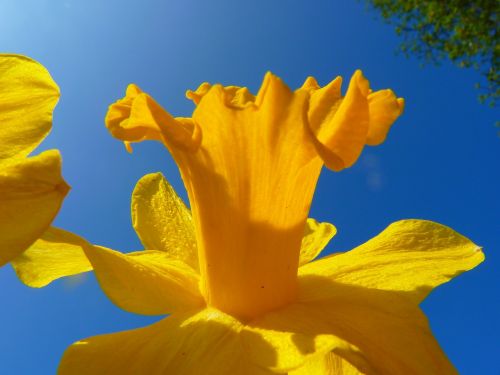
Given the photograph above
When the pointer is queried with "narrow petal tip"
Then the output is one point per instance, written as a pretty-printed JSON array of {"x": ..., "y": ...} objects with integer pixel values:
[
  {"x": 272, "y": 91},
  {"x": 132, "y": 90},
  {"x": 361, "y": 82},
  {"x": 310, "y": 84}
]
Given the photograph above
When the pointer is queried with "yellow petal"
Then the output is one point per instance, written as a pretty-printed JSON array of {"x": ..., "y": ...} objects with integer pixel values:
[
  {"x": 56, "y": 254},
  {"x": 205, "y": 342},
  {"x": 31, "y": 193},
  {"x": 411, "y": 256},
  {"x": 316, "y": 237},
  {"x": 342, "y": 135},
  {"x": 286, "y": 340},
  {"x": 378, "y": 332},
  {"x": 28, "y": 96},
  {"x": 329, "y": 364},
  {"x": 384, "y": 109},
  {"x": 162, "y": 221},
  {"x": 342, "y": 126},
  {"x": 389, "y": 330},
  {"x": 145, "y": 282}
]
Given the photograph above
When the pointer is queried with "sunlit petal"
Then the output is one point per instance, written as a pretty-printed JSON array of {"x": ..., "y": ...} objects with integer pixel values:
[
  {"x": 329, "y": 364},
  {"x": 342, "y": 134},
  {"x": 146, "y": 282},
  {"x": 316, "y": 237},
  {"x": 290, "y": 338},
  {"x": 342, "y": 126},
  {"x": 411, "y": 256},
  {"x": 162, "y": 220},
  {"x": 28, "y": 96},
  {"x": 373, "y": 330},
  {"x": 31, "y": 193},
  {"x": 56, "y": 254},
  {"x": 205, "y": 342}
]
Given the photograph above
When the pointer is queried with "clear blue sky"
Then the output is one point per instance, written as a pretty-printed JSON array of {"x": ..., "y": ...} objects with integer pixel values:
[{"x": 441, "y": 160}]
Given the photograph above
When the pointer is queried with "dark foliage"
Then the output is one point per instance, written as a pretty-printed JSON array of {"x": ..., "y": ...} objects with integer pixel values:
[{"x": 464, "y": 31}]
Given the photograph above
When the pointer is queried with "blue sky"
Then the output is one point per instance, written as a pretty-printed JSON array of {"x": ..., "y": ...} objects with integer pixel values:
[{"x": 441, "y": 160}]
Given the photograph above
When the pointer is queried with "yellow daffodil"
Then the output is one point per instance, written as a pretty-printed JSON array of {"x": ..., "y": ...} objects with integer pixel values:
[
  {"x": 239, "y": 276},
  {"x": 31, "y": 188}
]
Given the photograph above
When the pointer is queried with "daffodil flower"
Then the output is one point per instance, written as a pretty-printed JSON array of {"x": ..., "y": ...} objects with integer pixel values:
[
  {"x": 237, "y": 274},
  {"x": 31, "y": 187}
]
